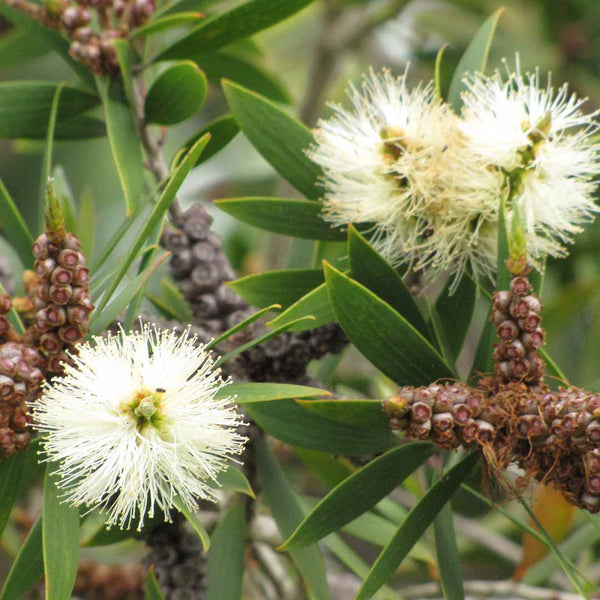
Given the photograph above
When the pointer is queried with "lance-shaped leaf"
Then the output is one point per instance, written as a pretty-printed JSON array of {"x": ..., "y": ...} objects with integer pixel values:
[
  {"x": 315, "y": 303},
  {"x": 226, "y": 559},
  {"x": 194, "y": 522},
  {"x": 176, "y": 94},
  {"x": 277, "y": 287},
  {"x": 246, "y": 393},
  {"x": 374, "y": 272},
  {"x": 11, "y": 474},
  {"x": 291, "y": 423},
  {"x": 448, "y": 558},
  {"x": 60, "y": 527},
  {"x": 14, "y": 228},
  {"x": 240, "y": 22},
  {"x": 25, "y": 106},
  {"x": 414, "y": 526},
  {"x": 474, "y": 59},
  {"x": 153, "y": 591},
  {"x": 298, "y": 218},
  {"x": 276, "y": 135},
  {"x": 27, "y": 568},
  {"x": 360, "y": 492},
  {"x": 122, "y": 136},
  {"x": 366, "y": 413},
  {"x": 288, "y": 514},
  {"x": 160, "y": 24},
  {"x": 222, "y": 130},
  {"x": 223, "y": 65},
  {"x": 386, "y": 338}
]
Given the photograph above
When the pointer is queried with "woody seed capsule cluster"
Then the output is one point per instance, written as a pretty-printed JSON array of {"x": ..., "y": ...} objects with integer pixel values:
[
  {"x": 514, "y": 418},
  {"x": 61, "y": 297},
  {"x": 94, "y": 49}
]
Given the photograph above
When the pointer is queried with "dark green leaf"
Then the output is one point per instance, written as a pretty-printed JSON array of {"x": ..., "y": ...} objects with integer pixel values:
[
  {"x": 11, "y": 473},
  {"x": 414, "y": 526},
  {"x": 153, "y": 591},
  {"x": 454, "y": 311},
  {"x": 221, "y": 131},
  {"x": 28, "y": 566},
  {"x": 223, "y": 65},
  {"x": 277, "y": 287},
  {"x": 360, "y": 492},
  {"x": 232, "y": 480},
  {"x": 366, "y": 413},
  {"x": 176, "y": 94},
  {"x": 295, "y": 425},
  {"x": 18, "y": 46},
  {"x": 124, "y": 143},
  {"x": 437, "y": 79},
  {"x": 240, "y": 22},
  {"x": 173, "y": 301},
  {"x": 156, "y": 216},
  {"x": 280, "y": 138},
  {"x": 288, "y": 514},
  {"x": 375, "y": 273},
  {"x": 474, "y": 59},
  {"x": 298, "y": 218},
  {"x": 386, "y": 338},
  {"x": 194, "y": 522},
  {"x": 315, "y": 303},
  {"x": 14, "y": 228},
  {"x": 25, "y": 107},
  {"x": 448, "y": 559},
  {"x": 266, "y": 392},
  {"x": 167, "y": 22},
  {"x": 60, "y": 525},
  {"x": 125, "y": 57},
  {"x": 226, "y": 560}
]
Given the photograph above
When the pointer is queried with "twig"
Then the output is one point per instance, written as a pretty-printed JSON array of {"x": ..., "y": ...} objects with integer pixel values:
[{"x": 479, "y": 590}]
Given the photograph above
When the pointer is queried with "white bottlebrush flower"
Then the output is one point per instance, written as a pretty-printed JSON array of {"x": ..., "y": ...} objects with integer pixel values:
[
  {"x": 135, "y": 422},
  {"x": 396, "y": 160},
  {"x": 539, "y": 139}
]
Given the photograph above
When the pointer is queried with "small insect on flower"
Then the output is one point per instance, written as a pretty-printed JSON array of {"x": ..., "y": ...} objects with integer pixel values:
[{"x": 136, "y": 422}]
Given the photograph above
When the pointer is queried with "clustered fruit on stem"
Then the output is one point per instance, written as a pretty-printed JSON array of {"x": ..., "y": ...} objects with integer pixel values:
[
  {"x": 513, "y": 417},
  {"x": 55, "y": 315},
  {"x": 114, "y": 19}
]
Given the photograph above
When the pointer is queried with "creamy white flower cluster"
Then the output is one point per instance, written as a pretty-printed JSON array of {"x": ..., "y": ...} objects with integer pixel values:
[
  {"x": 429, "y": 181},
  {"x": 136, "y": 422}
]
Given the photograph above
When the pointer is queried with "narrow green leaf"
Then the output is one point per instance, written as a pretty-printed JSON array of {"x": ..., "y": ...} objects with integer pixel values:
[
  {"x": 281, "y": 287},
  {"x": 60, "y": 525},
  {"x": 194, "y": 522},
  {"x": 222, "y": 130},
  {"x": 455, "y": 311},
  {"x": 101, "y": 319},
  {"x": 18, "y": 46},
  {"x": 158, "y": 211},
  {"x": 27, "y": 568},
  {"x": 246, "y": 393},
  {"x": 153, "y": 591},
  {"x": 232, "y": 480},
  {"x": 14, "y": 228},
  {"x": 167, "y": 22},
  {"x": 316, "y": 303},
  {"x": 241, "y": 325},
  {"x": 288, "y": 514},
  {"x": 86, "y": 223},
  {"x": 366, "y": 413},
  {"x": 176, "y": 94},
  {"x": 277, "y": 136},
  {"x": 257, "y": 341},
  {"x": 106, "y": 536},
  {"x": 223, "y": 65},
  {"x": 437, "y": 78},
  {"x": 474, "y": 59},
  {"x": 11, "y": 473},
  {"x": 125, "y": 58},
  {"x": 503, "y": 275},
  {"x": 291, "y": 423},
  {"x": 448, "y": 559},
  {"x": 226, "y": 560},
  {"x": 360, "y": 492},
  {"x": 25, "y": 106},
  {"x": 124, "y": 143},
  {"x": 298, "y": 218},
  {"x": 47, "y": 170},
  {"x": 375, "y": 273},
  {"x": 383, "y": 336},
  {"x": 414, "y": 526},
  {"x": 240, "y": 22},
  {"x": 176, "y": 301}
]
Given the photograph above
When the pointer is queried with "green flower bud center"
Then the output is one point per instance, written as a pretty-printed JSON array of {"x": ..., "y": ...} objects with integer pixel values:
[{"x": 146, "y": 409}]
